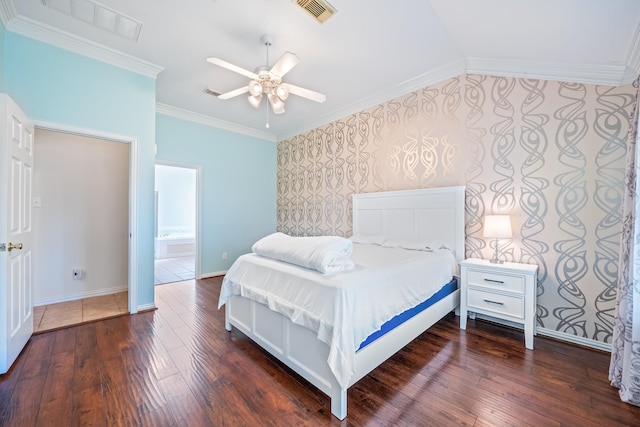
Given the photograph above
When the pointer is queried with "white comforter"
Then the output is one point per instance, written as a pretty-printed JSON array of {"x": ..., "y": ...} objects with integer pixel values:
[
  {"x": 326, "y": 254},
  {"x": 342, "y": 308}
]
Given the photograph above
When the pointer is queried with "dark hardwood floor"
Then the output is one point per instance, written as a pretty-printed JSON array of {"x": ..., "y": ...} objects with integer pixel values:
[{"x": 177, "y": 366}]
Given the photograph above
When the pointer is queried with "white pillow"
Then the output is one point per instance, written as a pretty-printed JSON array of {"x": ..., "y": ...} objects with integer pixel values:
[
  {"x": 368, "y": 239},
  {"x": 415, "y": 244},
  {"x": 438, "y": 246},
  {"x": 406, "y": 243}
]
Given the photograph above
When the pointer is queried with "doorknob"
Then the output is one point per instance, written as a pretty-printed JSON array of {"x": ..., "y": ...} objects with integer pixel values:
[{"x": 11, "y": 246}]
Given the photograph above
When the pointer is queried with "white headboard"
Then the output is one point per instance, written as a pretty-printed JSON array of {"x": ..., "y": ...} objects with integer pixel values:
[{"x": 432, "y": 213}]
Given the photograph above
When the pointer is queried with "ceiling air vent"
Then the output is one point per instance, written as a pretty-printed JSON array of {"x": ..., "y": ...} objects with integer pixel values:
[
  {"x": 211, "y": 92},
  {"x": 320, "y": 10}
]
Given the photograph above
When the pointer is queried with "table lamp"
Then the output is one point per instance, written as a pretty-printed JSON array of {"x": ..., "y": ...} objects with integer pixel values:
[{"x": 497, "y": 227}]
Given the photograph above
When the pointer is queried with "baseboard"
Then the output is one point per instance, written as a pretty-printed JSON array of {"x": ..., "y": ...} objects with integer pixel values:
[
  {"x": 147, "y": 307},
  {"x": 214, "y": 274},
  {"x": 560, "y": 336},
  {"x": 81, "y": 295},
  {"x": 585, "y": 342}
]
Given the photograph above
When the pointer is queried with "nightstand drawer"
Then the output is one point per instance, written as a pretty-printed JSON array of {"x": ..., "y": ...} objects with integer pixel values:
[
  {"x": 501, "y": 281},
  {"x": 497, "y": 303}
]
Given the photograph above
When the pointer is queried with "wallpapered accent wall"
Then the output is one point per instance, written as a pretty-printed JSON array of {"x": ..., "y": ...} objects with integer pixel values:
[{"x": 550, "y": 154}]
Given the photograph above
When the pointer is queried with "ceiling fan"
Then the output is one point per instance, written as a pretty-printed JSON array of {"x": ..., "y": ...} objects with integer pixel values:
[{"x": 267, "y": 81}]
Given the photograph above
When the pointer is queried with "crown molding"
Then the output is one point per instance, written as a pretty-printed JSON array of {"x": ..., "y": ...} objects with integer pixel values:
[
  {"x": 203, "y": 119},
  {"x": 613, "y": 75},
  {"x": 633, "y": 53},
  {"x": 53, "y": 36},
  {"x": 8, "y": 11},
  {"x": 437, "y": 75},
  {"x": 558, "y": 71}
]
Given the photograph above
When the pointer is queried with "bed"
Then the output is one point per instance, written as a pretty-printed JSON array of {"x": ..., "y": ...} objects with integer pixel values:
[{"x": 333, "y": 358}]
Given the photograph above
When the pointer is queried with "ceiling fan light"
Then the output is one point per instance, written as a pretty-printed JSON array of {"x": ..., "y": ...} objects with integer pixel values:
[
  {"x": 282, "y": 91},
  {"x": 255, "y": 88},
  {"x": 255, "y": 100},
  {"x": 276, "y": 104}
]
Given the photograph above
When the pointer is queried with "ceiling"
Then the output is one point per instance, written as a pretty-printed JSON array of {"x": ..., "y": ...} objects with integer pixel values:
[{"x": 368, "y": 52}]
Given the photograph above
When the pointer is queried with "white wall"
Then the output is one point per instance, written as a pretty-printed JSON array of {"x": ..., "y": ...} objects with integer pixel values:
[
  {"x": 176, "y": 188},
  {"x": 83, "y": 185}
]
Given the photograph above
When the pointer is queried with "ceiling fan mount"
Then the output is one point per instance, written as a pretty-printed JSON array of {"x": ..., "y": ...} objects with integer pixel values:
[
  {"x": 266, "y": 40},
  {"x": 267, "y": 81}
]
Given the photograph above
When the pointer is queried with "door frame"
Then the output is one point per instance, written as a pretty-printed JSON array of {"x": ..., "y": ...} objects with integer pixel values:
[
  {"x": 198, "y": 169},
  {"x": 132, "y": 268}
]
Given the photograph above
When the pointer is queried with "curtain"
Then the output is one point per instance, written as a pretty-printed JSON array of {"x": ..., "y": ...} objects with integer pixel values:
[{"x": 624, "y": 369}]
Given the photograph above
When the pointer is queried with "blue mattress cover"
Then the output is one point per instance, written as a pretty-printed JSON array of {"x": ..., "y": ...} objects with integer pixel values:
[{"x": 408, "y": 314}]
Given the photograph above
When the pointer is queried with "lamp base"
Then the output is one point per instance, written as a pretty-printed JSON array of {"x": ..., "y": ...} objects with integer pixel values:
[{"x": 496, "y": 254}]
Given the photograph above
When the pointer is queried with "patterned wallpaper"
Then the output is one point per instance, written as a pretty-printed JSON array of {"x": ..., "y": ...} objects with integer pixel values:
[{"x": 551, "y": 154}]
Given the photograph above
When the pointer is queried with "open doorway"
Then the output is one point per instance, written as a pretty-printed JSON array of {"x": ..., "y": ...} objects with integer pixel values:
[
  {"x": 176, "y": 223},
  {"x": 82, "y": 212}
]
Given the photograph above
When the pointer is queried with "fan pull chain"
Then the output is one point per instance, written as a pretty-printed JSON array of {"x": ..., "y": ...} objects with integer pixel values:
[{"x": 266, "y": 104}]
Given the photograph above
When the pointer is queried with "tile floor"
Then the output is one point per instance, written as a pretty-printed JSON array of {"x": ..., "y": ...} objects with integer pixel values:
[
  {"x": 169, "y": 270},
  {"x": 53, "y": 316}
]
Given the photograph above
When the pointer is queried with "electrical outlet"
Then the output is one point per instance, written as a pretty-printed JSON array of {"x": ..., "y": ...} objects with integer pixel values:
[
  {"x": 224, "y": 255},
  {"x": 77, "y": 274}
]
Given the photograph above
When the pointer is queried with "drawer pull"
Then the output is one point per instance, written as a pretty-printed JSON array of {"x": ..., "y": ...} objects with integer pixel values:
[
  {"x": 493, "y": 302},
  {"x": 494, "y": 281}
]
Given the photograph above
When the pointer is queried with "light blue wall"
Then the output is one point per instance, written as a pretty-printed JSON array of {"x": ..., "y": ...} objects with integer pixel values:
[
  {"x": 54, "y": 85},
  {"x": 238, "y": 185},
  {"x": 2, "y": 41}
]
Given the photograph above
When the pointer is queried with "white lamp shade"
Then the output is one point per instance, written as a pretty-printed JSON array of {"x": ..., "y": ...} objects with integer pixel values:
[
  {"x": 255, "y": 100},
  {"x": 255, "y": 88},
  {"x": 497, "y": 226},
  {"x": 282, "y": 91},
  {"x": 276, "y": 104}
]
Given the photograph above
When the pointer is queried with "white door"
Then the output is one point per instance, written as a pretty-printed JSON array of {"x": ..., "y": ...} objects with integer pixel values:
[{"x": 16, "y": 172}]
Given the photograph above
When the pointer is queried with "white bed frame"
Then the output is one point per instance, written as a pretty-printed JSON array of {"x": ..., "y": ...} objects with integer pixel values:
[{"x": 435, "y": 214}]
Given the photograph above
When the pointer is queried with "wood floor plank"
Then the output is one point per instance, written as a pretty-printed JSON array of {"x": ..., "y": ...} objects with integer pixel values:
[
  {"x": 178, "y": 366},
  {"x": 8, "y": 382},
  {"x": 57, "y": 395},
  {"x": 182, "y": 403},
  {"x": 64, "y": 341},
  {"x": 119, "y": 399},
  {"x": 141, "y": 382},
  {"x": 419, "y": 390},
  {"x": 89, "y": 407},
  {"x": 159, "y": 360},
  {"x": 167, "y": 335},
  {"x": 23, "y": 408},
  {"x": 37, "y": 356}
]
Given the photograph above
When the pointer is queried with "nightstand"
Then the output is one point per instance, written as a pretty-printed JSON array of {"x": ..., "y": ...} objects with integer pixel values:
[{"x": 504, "y": 291}]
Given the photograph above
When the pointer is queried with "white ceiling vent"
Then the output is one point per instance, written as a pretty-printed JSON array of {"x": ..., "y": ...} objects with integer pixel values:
[
  {"x": 99, "y": 15},
  {"x": 320, "y": 10}
]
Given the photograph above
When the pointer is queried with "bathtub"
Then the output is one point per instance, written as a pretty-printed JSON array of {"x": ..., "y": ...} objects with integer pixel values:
[{"x": 175, "y": 245}]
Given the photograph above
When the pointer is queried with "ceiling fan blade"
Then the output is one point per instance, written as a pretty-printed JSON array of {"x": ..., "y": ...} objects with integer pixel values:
[
  {"x": 224, "y": 64},
  {"x": 306, "y": 93},
  {"x": 284, "y": 65},
  {"x": 233, "y": 93}
]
